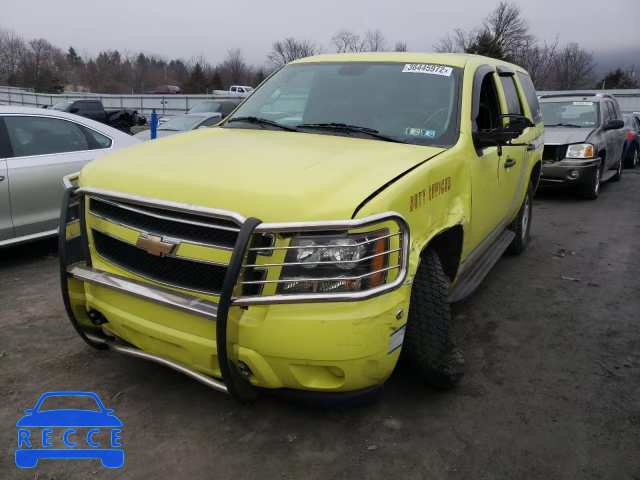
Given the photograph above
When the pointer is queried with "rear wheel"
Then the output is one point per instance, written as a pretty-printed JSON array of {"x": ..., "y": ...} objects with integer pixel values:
[
  {"x": 428, "y": 345},
  {"x": 633, "y": 161},
  {"x": 618, "y": 175},
  {"x": 521, "y": 226}
]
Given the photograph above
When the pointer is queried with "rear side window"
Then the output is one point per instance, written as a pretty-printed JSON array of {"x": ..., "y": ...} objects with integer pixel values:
[
  {"x": 511, "y": 94},
  {"x": 531, "y": 96},
  {"x": 97, "y": 140},
  {"x": 44, "y": 136}
]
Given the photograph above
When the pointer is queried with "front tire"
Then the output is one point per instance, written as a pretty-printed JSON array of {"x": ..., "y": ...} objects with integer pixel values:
[
  {"x": 521, "y": 226},
  {"x": 591, "y": 190},
  {"x": 428, "y": 345}
]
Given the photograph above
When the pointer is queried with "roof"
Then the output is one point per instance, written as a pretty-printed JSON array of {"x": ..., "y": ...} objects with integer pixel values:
[{"x": 460, "y": 60}]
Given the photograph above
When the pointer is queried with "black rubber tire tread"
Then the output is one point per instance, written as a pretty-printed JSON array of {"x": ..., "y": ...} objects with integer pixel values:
[
  {"x": 428, "y": 345},
  {"x": 618, "y": 175},
  {"x": 587, "y": 189},
  {"x": 519, "y": 243}
]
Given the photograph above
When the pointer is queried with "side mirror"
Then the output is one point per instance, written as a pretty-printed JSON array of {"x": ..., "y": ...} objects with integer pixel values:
[
  {"x": 504, "y": 134},
  {"x": 613, "y": 124},
  {"x": 73, "y": 110}
]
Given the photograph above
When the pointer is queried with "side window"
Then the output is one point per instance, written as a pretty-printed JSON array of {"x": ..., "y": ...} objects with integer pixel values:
[
  {"x": 96, "y": 140},
  {"x": 44, "y": 135},
  {"x": 531, "y": 96},
  {"x": 610, "y": 113},
  {"x": 511, "y": 94},
  {"x": 489, "y": 110},
  {"x": 93, "y": 106},
  {"x": 210, "y": 121},
  {"x": 233, "y": 89}
]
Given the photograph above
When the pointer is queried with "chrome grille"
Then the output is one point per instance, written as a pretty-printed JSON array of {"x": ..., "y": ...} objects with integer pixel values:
[
  {"x": 173, "y": 271},
  {"x": 188, "y": 227}
]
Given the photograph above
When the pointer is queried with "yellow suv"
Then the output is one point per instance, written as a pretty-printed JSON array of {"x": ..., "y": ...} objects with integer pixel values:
[{"x": 317, "y": 233}]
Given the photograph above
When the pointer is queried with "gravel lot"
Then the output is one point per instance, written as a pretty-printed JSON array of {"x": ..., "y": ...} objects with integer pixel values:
[{"x": 552, "y": 341}]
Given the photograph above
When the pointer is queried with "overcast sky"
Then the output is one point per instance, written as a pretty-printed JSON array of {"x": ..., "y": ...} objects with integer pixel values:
[{"x": 188, "y": 28}]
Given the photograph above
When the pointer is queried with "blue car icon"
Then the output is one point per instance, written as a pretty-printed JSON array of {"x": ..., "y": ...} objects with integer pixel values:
[{"x": 32, "y": 446}]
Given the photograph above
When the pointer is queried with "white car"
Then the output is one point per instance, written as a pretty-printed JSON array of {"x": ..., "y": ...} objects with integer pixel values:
[
  {"x": 37, "y": 148},
  {"x": 182, "y": 123}
]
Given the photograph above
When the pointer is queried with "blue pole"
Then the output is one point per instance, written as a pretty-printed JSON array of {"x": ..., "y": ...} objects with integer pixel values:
[{"x": 154, "y": 124}]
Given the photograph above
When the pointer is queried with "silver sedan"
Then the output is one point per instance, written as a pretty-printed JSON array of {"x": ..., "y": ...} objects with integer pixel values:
[{"x": 37, "y": 148}]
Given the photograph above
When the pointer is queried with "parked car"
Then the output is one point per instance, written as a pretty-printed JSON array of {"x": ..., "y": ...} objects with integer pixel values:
[
  {"x": 121, "y": 118},
  {"x": 322, "y": 234},
  {"x": 632, "y": 145},
  {"x": 182, "y": 123},
  {"x": 584, "y": 140},
  {"x": 224, "y": 107},
  {"x": 37, "y": 148},
  {"x": 240, "y": 90},
  {"x": 165, "y": 90}
]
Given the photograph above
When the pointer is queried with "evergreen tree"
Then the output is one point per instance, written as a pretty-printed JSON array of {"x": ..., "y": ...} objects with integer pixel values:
[
  {"x": 197, "y": 81},
  {"x": 73, "y": 58},
  {"x": 617, "y": 79}
]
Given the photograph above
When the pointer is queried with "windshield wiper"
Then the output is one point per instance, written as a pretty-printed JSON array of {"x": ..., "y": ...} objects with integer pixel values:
[
  {"x": 563, "y": 125},
  {"x": 262, "y": 121},
  {"x": 372, "y": 132}
]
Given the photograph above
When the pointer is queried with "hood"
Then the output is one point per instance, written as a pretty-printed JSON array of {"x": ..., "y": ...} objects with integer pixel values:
[
  {"x": 565, "y": 135},
  {"x": 273, "y": 175},
  {"x": 146, "y": 134}
]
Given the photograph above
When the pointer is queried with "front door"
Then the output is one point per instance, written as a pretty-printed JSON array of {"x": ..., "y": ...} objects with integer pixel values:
[
  {"x": 512, "y": 162},
  {"x": 487, "y": 201},
  {"x": 44, "y": 150}
]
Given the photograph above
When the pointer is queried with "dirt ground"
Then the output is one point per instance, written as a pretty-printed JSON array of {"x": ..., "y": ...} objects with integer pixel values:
[{"x": 552, "y": 342}]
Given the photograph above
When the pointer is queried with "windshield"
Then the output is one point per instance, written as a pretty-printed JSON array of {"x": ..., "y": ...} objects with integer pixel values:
[
  {"x": 62, "y": 106},
  {"x": 181, "y": 123},
  {"x": 414, "y": 103},
  {"x": 206, "y": 107},
  {"x": 65, "y": 402},
  {"x": 575, "y": 114}
]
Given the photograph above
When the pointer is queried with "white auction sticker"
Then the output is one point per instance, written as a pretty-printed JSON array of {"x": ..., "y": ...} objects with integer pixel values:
[
  {"x": 396, "y": 339},
  {"x": 427, "y": 68},
  {"x": 583, "y": 103}
]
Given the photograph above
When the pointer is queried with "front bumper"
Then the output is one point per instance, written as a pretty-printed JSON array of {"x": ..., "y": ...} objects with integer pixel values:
[
  {"x": 229, "y": 345},
  {"x": 561, "y": 172}
]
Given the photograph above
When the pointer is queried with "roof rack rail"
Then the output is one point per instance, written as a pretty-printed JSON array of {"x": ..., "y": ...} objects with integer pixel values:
[{"x": 576, "y": 94}]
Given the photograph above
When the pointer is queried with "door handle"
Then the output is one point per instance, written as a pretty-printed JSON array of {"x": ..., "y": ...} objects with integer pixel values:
[{"x": 509, "y": 163}]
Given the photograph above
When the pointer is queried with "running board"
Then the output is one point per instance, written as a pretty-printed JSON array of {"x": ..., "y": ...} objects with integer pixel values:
[
  {"x": 472, "y": 277},
  {"x": 608, "y": 175}
]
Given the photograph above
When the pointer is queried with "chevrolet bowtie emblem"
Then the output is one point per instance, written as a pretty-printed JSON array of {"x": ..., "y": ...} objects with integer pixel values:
[{"x": 155, "y": 245}]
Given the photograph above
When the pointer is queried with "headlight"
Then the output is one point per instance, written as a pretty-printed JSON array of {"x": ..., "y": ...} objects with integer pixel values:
[
  {"x": 332, "y": 264},
  {"x": 580, "y": 150}
]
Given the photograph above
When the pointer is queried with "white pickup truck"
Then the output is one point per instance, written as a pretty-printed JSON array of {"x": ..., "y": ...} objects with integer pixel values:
[{"x": 240, "y": 91}]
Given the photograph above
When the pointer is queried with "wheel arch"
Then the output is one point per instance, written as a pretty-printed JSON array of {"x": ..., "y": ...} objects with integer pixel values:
[
  {"x": 535, "y": 175},
  {"x": 447, "y": 244}
]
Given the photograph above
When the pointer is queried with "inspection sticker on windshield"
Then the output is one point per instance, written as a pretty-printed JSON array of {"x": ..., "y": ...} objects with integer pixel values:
[
  {"x": 396, "y": 339},
  {"x": 427, "y": 68},
  {"x": 583, "y": 103}
]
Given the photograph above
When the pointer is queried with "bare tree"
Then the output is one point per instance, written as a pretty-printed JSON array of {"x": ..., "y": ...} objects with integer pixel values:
[
  {"x": 400, "y": 47},
  {"x": 375, "y": 41},
  {"x": 37, "y": 60},
  {"x": 346, "y": 41},
  {"x": 538, "y": 60},
  {"x": 12, "y": 51},
  {"x": 233, "y": 69},
  {"x": 291, "y": 49},
  {"x": 507, "y": 27},
  {"x": 573, "y": 68},
  {"x": 459, "y": 41}
]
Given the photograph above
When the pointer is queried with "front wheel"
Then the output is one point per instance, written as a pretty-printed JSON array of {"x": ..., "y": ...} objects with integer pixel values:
[
  {"x": 521, "y": 226},
  {"x": 428, "y": 345},
  {"x": 591, "y": 189}
]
